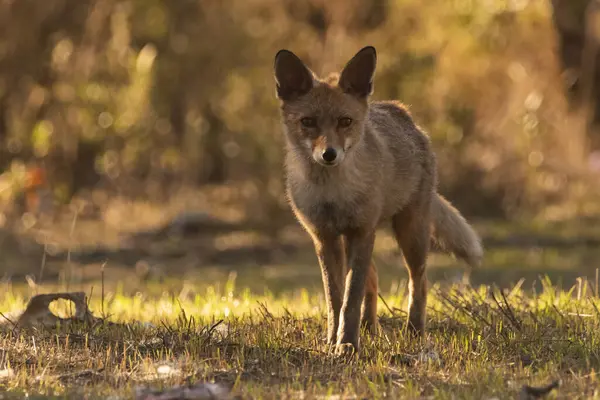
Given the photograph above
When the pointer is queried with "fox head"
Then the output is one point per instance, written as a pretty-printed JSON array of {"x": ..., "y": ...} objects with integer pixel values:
[{"x": 324, "y": 118}]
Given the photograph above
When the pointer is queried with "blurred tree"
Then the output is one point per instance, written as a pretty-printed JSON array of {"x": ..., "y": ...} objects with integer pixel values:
[
  {"x": 578, "y": 25},
  {"x": 140, "y": 97}
]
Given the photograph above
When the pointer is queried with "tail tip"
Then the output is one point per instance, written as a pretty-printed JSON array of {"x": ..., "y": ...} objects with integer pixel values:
[{"x": 475, "y": 254}]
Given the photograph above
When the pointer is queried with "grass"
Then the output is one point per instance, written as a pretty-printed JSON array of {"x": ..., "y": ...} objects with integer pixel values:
[
  {"x": 188, "y": 322},
  {"x": 481, "y": 343}
]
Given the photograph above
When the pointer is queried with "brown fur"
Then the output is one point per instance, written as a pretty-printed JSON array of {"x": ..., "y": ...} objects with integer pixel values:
[{"x": 385, "y": 170}]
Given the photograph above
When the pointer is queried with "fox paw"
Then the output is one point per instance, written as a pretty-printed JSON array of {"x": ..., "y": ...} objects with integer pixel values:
[
  {"x": 329, "y": 344},
  {"x": 345, "y": 351}
]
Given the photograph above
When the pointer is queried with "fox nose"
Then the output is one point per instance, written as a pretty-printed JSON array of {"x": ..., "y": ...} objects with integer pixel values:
[{"x": 329, "y": 155}]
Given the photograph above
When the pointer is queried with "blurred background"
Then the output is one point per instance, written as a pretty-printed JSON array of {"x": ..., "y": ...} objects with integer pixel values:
[{"x": 140, "y": 138}]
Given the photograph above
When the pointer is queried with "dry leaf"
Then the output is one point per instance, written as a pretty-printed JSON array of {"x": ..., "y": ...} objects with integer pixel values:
[
  {"x": 531, "y": 392},
  {"x": 198, "y": 391}
]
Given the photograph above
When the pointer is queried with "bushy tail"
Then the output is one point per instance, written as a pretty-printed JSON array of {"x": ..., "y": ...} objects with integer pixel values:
[{"x": 452, "y": 233}]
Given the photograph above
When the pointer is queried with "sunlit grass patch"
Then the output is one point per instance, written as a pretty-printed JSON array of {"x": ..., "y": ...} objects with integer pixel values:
[{"x": 480, "y": 343}]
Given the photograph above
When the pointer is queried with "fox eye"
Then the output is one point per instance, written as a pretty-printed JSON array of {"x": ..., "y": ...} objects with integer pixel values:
[
  {"x": 344, "y": 122},
  {"x": 309, "y": 122}
]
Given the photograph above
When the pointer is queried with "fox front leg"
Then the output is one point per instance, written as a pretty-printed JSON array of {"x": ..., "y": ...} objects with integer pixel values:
[
  {"x": 359, "y": 251},
  {"x": 330, "y": 252}
]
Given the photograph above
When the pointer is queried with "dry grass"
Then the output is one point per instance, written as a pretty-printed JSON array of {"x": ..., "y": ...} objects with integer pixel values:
[
  {"x": 480, "y": 344},
  {"x": 258, "y": 329}
]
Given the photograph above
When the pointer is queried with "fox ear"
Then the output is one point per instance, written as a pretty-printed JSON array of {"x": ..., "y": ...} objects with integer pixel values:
[
  {"x": 357, "y": 76},
  {"x": 293, "y": 78}
]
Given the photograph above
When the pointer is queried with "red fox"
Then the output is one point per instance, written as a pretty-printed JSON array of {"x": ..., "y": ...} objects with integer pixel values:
[{"x": 352, "y": 163}]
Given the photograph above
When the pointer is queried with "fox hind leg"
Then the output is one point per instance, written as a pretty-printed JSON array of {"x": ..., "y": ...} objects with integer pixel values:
[
  {"x": 412, "y": 228},
  {"x": 369, "y": 305}
]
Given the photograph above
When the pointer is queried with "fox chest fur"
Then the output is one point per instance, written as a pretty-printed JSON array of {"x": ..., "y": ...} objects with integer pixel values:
[{"x": 333, "y": 200}]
